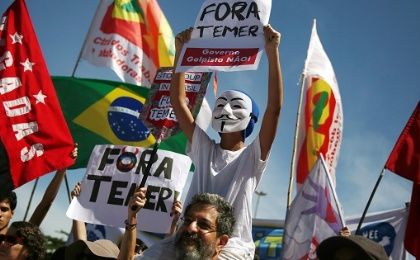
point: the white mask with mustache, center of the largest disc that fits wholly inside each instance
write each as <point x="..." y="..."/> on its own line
<point x="231" y="112"/>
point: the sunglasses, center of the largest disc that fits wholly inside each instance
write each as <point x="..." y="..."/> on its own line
<point x="11" y="240"/>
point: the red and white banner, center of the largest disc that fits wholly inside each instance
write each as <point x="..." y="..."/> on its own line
<point x="158" y="113"/>
<point x="227" y="36"/>
<point x="32" y="129"/>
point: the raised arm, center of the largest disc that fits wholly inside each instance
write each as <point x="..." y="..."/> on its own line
<point x="175" y="214"/>
<point x="275" y="91"/>
<point x="44" y="205"/>
<point x="178" y="96"/>
<point x="128" y="243"/>
<point x="79" y="227"/>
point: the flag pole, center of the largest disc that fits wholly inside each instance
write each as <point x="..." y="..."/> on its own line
<point x="149" y="166"/>
<point x="340" y="211"/>
<point x="66" y="181"/>
<point x="30" y="199"/>
<point x="370" y="200"/>
<point x="84" y="42"/>
<point x="150" y="163"/>
<point x="293" y="162"/>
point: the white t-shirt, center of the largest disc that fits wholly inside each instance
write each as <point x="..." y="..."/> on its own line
<point x="231" y="174"/>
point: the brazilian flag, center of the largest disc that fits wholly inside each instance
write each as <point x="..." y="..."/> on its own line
<point x="107" y="112"/>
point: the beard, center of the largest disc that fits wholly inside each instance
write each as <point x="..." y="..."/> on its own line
<point x="192" y="247"/>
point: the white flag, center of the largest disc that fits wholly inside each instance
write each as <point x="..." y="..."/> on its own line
<point x="320" y="123"/>
<point x="314" y="215"/>
<point x="386" y="228"/>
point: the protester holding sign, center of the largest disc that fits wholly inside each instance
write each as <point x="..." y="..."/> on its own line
<point x="230" y="168"/>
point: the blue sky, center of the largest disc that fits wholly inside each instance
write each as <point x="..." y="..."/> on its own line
<point x="373" y="46"/>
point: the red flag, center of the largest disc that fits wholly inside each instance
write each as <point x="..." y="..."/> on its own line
<point x="33" y="130"/>
<point x="412" y="233"/>
<point x="404" y="159"/>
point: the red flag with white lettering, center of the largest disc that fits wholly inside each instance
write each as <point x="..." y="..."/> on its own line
<point x="32" y="130"/>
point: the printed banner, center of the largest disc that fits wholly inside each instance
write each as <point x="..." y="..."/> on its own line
<point x="386" y="228"/>
<point x="133" y="38"/>
<point x="32" y="130"/>
<point x="227" y="36"/>
<point x="158" y="114"/>
<point x="112" y="175"/>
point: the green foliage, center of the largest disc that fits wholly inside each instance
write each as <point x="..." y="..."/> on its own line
<point x="52" y="243"/>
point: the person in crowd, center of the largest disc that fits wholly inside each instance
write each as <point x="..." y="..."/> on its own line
<point x="128" y="243"/>
<point x="23" y="240"/>
<point x="175" y="214"/>
<point x="206" y="227"/>
<point x="350" y="247"/>
<point x="230" y="168"/>
<point x="8" y="203"/>
<point x="78" y="227"/>
<point x="81" y="248"/>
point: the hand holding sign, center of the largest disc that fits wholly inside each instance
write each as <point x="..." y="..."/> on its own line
<point x="227" y="36"/>
<point x="272" y="39"/>
<point x="180" y="39"/>
<point x="137" y="202"/>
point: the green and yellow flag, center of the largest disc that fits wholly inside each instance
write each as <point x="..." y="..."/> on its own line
<point x="107" y="112"/>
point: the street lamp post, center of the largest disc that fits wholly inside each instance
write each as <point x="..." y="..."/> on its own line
<point x="259" y="194"/>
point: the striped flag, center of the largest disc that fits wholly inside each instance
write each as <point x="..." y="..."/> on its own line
<point x="132" y="37"/>
<point x="320" y="121"/>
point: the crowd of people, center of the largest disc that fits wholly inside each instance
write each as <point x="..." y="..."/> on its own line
<point x="217" y="220"/>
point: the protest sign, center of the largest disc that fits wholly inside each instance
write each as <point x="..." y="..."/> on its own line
<point x="227" y="36"/>
<point x="158" y="114"/>
<point x="111" y="178"/>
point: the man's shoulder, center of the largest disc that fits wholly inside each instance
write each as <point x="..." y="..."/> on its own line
<point x="160" y="250"/>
